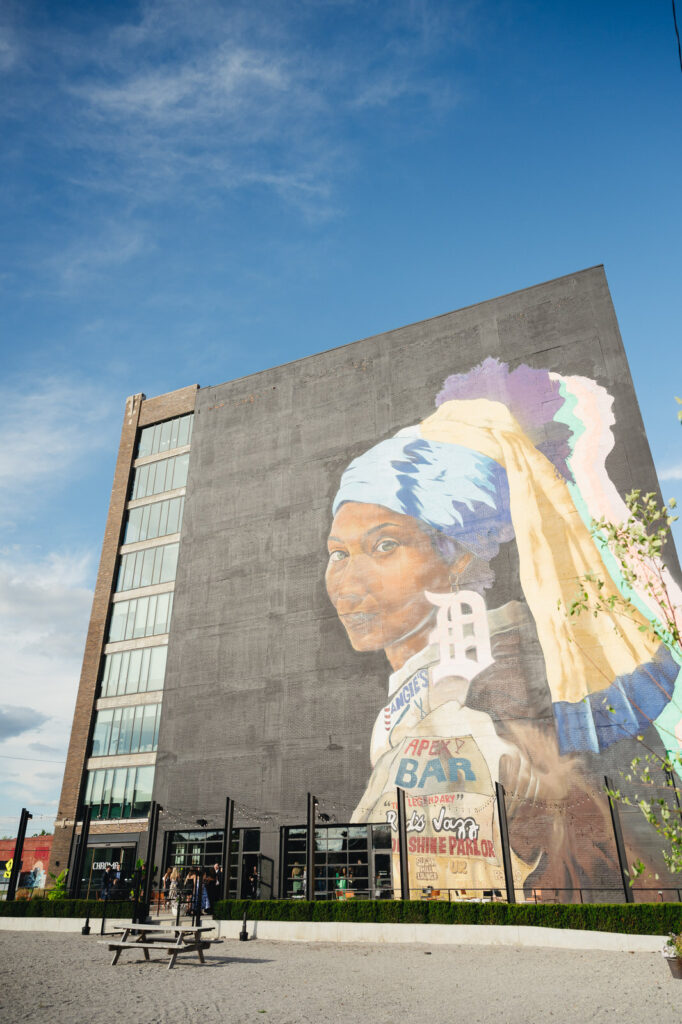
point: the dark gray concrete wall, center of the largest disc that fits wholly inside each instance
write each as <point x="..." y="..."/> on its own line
<point x="264" y="697"/>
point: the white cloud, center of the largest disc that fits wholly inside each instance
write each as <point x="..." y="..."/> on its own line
<point x="44" y="610"/>
<point x="193" y="101"/>
<point x="45" y="433"/>
<point x="671" y="472"/>
<point x="226" y="83"/>
<point x="83" y="259"/>
<point x="9" y="49"/>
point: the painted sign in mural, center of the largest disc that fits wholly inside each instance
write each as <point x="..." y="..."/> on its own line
<point x="455" y="548"/>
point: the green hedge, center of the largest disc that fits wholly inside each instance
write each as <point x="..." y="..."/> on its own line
<point x="66" y="908"/>
<point x="632" y="919"/>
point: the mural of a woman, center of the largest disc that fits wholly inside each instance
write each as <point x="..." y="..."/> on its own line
<point x="480" y="693"/>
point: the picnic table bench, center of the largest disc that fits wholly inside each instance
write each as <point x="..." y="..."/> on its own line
<point x="174" y="939"/>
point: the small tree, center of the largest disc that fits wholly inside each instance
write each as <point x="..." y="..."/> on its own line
<point x="638" y="545"/>
<point x="58" y="890"/>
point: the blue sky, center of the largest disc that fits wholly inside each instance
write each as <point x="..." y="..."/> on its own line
<point x="194" y="192"/>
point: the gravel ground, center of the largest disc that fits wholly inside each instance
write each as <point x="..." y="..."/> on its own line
<point x="66" y="979"/>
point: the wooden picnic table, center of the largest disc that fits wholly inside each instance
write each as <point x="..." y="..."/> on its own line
<point x="176" y="939"/>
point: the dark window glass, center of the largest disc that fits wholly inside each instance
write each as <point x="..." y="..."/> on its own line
<point x="118" y="793"/>
<point x="143" y="792"/>
<point x="251" y="839"/>
<point x="381" y="837"/>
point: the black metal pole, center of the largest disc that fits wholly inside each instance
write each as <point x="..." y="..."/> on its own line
<point x="402" y="847"/>
<point x="18" y="851"/>
<point x="310" y="848"/>
<point x="504" y="840"/>
<point x="224" y="893"/>
<point x="69" y="866"/>
<point x="71" y="878"/>
<point x="104" y="913"/>
<point x="74" y="881"/>
<point x="149" y="852"/>
<point x="153" y="825"/>
<point x="283" y="881"/>
<point x="196" y="920"/>
<point x="87" y="819"/>
<point x="79" y="859"/>
<point x="136" y="896"/>
<point x="620" y="845"/>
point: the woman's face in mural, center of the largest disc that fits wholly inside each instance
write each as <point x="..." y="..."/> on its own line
<point x="380" y="564"/>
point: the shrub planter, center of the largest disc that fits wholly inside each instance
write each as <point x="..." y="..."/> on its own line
<point x="69" y="908"/>
<point x="628" y="919"/>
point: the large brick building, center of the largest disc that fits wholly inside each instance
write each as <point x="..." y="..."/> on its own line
<point x="342" y="575"/>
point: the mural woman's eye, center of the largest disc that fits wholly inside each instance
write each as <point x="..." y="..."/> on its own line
<point x="386" y="545"/>
<point x="336" y="556"/>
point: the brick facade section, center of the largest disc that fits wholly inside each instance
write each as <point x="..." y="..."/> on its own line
<point x="138" y="412"/>
<point x="165" y="407"/>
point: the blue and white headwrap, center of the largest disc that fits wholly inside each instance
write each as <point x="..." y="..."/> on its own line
<point x="457" y="491"/>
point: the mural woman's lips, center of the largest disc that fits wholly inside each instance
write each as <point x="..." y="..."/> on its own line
<point x="359" y="620"/>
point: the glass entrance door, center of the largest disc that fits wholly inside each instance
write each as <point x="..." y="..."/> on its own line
<point x="250" y="871"/>
<point x="122" y="860"/>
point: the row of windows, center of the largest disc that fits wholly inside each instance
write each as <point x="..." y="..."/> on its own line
<point x="134" y="671"/>
<point x="155" y="520"/>
<point x="126" y="730"/>
<point x="144" y="568"/>
<point x="120" y="792"/>
<point x="343" y="838"/>
<point x="143" y="616"/>
<point x="164" y="475"/>
<point x="163" y="437"/>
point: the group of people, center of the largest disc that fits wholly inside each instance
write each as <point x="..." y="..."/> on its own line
<point x="175" y="886"/>
<point x="346" y="881"/>
<point x="343" y="880"/>
<point x="208" y="881"/>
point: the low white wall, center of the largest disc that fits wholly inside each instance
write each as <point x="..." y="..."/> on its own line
<point x="58" y="924"/>
<point x="443" y="934"/>
<point x="349" y="931"/>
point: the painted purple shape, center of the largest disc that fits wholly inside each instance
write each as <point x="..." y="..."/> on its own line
<point x="531" y="395"/>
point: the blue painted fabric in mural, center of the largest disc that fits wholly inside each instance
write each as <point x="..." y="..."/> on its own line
<point x="637" y="699"/>
<point x="459" y="492"/>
